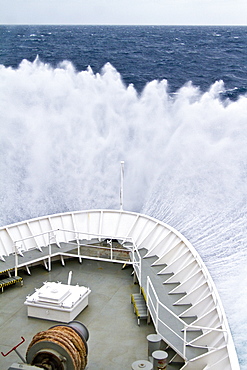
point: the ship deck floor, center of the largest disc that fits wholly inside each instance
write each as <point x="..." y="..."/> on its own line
<point x="115" y="339"/>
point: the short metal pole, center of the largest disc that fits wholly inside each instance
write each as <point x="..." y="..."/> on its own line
<point x="148" y="286"/>
<point x="184" y="349"/>
<point x="16" y="260"/>
<point x="78" y="247"/>
<point x="140" y="271"/>
<point x="111" y="249"/>
<point x="157" y="313"/>
<point x="49" y="258"/>
<point x="21" y="357"/>
<point x="121" y="186"/>
<point x="69" y="278"/>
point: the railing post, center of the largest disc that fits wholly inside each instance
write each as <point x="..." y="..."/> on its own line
<point x="78" y="246"/>
<point x="49" y="257"/>
<point x="157" y="315"/>
<point x="16" y="259"/>
<point x="140" y="269"/>
<point x="121" y="185"/>
<point x="111" y="249"/>
<point x="184" y="344"/>
<point x="148" y="287"/>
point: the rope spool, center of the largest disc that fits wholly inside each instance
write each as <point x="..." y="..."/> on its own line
<point x="60" y="347"/>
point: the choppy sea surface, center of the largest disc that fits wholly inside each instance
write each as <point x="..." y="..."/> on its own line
<point x="169" y="101"/>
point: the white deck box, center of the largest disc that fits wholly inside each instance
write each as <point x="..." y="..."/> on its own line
<point x="57" y="302"/>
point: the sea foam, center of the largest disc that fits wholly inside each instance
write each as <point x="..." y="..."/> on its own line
<point x="64" y="133"/>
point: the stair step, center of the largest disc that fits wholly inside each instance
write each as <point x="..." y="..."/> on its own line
<point x="179" y="309"/>
<point x="142" y="252"/>
<point x="172" y="299"/>
<point x="158" y="268"/>
<point x="187" y="305"/>
<point x="151" y="259"/>
<point x="192" y="352"/>
<point x="177" y="296"/>
<point x="192" y="334"/>
<point x="188" y="319"/>
<point x="166" y="276"/>
<point x="171" y="285"/>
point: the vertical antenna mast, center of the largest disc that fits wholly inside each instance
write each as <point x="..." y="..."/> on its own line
<point x="121" y="186"/>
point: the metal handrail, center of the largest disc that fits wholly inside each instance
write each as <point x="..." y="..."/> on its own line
<point x="125" y="238"/>
<point x="52" y="234"/>
<point x="156" y="311"/>
<point x="185" y="326"/>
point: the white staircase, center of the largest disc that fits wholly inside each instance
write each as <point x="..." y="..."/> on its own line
<point x="173" y="305"/>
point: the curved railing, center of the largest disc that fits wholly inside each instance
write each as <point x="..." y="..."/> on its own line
<point x="155" y="307"/>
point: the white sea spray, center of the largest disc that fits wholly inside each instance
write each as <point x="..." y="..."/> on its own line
<point x="64" y="133"/>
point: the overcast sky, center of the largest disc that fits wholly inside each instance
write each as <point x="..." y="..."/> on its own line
<point x="152" y="12"/>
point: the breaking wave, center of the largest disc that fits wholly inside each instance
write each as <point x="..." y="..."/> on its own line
<point x="64" y="133"/>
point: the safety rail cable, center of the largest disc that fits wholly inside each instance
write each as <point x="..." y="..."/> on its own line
<point x="157" y="319"/>
<point x="52" y="234"/>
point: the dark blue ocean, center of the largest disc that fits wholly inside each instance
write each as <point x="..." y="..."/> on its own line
<point x="140" y="54"/>
<point x="169" y="101"/>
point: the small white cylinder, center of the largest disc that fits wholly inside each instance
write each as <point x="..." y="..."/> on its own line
<point x="159" y="360"/>
<point x="154" y="342"/>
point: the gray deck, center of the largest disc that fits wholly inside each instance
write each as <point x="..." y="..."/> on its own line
<point x="109" y="303"/>
<point x="115" y="339"/>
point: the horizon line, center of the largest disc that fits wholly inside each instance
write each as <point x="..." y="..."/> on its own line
<point x="124" y="25"/>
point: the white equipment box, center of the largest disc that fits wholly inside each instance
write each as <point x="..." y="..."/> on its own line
<point x="57" y="302"/>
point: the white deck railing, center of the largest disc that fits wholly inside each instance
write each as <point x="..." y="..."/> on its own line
<point x="51" y="238"/>
<point x="177" y="339"/>
<point x="158" y="238"/>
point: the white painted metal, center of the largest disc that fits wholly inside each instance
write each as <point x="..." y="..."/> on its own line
<point x="174" y="254"/>
<point x="69" y="278"/>
<point x="121" y="186"/>
<point x="57" y="302"/>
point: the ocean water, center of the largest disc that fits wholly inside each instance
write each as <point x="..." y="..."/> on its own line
<point x="169" y="101"/>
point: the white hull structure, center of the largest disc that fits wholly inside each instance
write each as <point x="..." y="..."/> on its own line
<point x="181" y="297"/>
